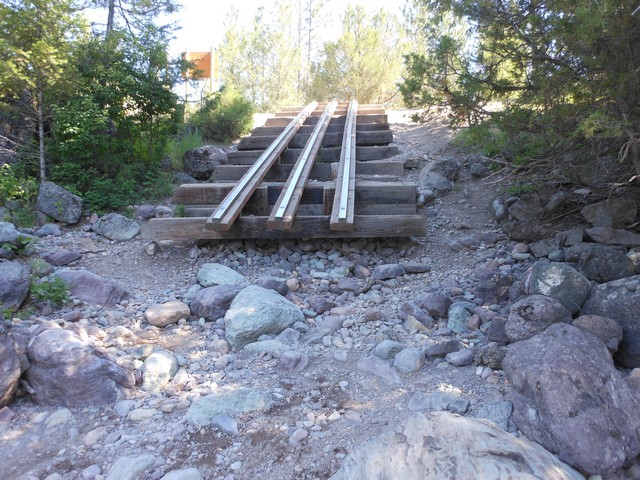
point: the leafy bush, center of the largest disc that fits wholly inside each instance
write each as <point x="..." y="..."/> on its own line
<point x="180" y="145"/>
<point x="16" y="187"/>
<point x="52" y="290"/>
<point x="225" y="116"/>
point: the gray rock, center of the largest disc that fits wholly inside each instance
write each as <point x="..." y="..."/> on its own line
<point x="412" y="309"/>
<point x="293" y="360"/>
<point x="59" y="203"/>
<point x="499" y="208"/>
<point x="388" y="349"/>
<point x="461" y="358"/>
<point x="14" y="284"/>
<point x="447" y="167"/>
<point x="145" y="212"/>
<point x="409" y="360"/>
<point x="614" y="212"/>
<point x="459" y="315"/>
<point x="434" y="182"/>
<point x="498" y="413"/>
<point x="600" y="263"/>
<point x="348" y="284"/>
<point x="451" y="401"/>
<point x="213" y="302"/>
<point x="8" y="233"/>
<point x="441" y="348"/>
<point x="116" y="227"/>
<point x="66" y="370"/>
<point x="544" y="247"/>
<point x="496" y="331"/>
<point x="444" y="446"/>
<point x="570" y="399"/>
<point x="606" y="329"/>
<point x="211" y="274"/>
<point x="167" y="313"/>
<point x="277" y="284"/>
<point x="478" y="170"/>
<point x="274" y="348"/>
<point x="48" y="229"/>
<point x="532" y="314"/>
<point x="620" y="300"/>
<point x="436" y="304"/>
<point x="183" y="178"/>
<point x="379" y="368"/>
<point x="257" y="311"/>
<point x="225" y="424"/>
<point x="200" y="162"/>
<point x="162" y="211"/>
<point x="613" y="236"/>
<point x="385" y="272"/>
<point x="10" y="369"/>
<point x="559" y="281"/>
<point x="227" y="402"/>
<point x="60" y="258"/>
<point x="495" y="289"/>
<point x="414" y="267"/>
<point x="491" y="356"/>
<point x="183" y="474"/>
<point x="321" y="304"/>
<point x="130" y="468"/>
<point x="92" y="288"/>
<point x="157" y="370"/>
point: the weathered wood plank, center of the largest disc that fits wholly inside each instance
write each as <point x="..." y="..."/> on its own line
<point x="307" y="129"/>
<point x="365" y="226"/>
<point x="374" y="118"/>
<point x="233" y="203"/>
<point x="365" y="192"/>
<point x="342" y="211"/>
<point x="306" y="209"/>
<point x="382" y="137"/>
<point x="331" y="154"/>
<point x="286" y="206"/>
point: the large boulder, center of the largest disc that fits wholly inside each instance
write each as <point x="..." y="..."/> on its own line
<point x="212" y="303"/>
<point x="532" y="314"/>
<point x="200" y="162"/>
<point x="606" y="329"/>
<point x="614" y="212"/>
<point x="257" y="311"/>
<point x="600" y="263"/>
<point x="66" y="370"/>
<point x="560" y="281"/>
<point x="568" y="397"/>
<point x="14" y="284"/>
<point x="613" y="236"/>
<point x="59" y="203"/>
<point x="620" y="300"/>
<point x="116" y="227"/>
<point x="435" y="183"/>
<point x="8" y="233"/>
<point x="446" y="446"/>
<point x="92" y="288"/>
<point x="10" y="369"/>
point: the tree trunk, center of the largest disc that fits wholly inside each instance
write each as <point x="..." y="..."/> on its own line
<point x="112" y="8"/>
<point x="40" y="109"/>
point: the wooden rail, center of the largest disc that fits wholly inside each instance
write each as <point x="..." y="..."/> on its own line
<point x="285" y="208"/>
<point x="230" y="208"/>
<point x="342" y="212"/>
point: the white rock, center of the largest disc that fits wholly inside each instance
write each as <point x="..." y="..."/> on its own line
<point x="130" y="468"/>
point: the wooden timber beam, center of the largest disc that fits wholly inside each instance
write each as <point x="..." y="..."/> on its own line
<point x="330" y="154"/>
<point x="365" y="226"/>
<point x="342" y="212"/>
<point x="307" y="129"/>
<point x="373" y="118"/>
<point x="285" y="208"/>
<point x="231" y="206"/>
<point x="363" y="138"/>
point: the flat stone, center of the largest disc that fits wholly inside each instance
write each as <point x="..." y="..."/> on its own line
<point x="228" y="402"/>
<point x="167" y="313"/>
<point x="211" y="274"/>
<point x="451" y="401"/>
<point x="385" y="272"/>
<point x="409" y="360"/>
<point x="130" y="468"/>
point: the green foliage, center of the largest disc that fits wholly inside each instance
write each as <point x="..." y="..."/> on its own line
<point x="552" y="75"/>
<point x="180" y="145"/>
<point x="16" y="187"/>
<point x="365" y="63"/>
<point x="53" y="290"/>
<point x="521" y="188"/>
<point x="224" y="116"/>
<point x="180" y="211"/>
<point x="22" y="247"/>
<point x="39" y="267"/>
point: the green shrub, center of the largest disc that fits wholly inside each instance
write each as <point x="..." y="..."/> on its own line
<point x="22" y="247"/>
<point x="180" y="145"/>
<point x="225" y="116"/>
<point x="16" y="187"/>
<point x="52" y="290"/>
